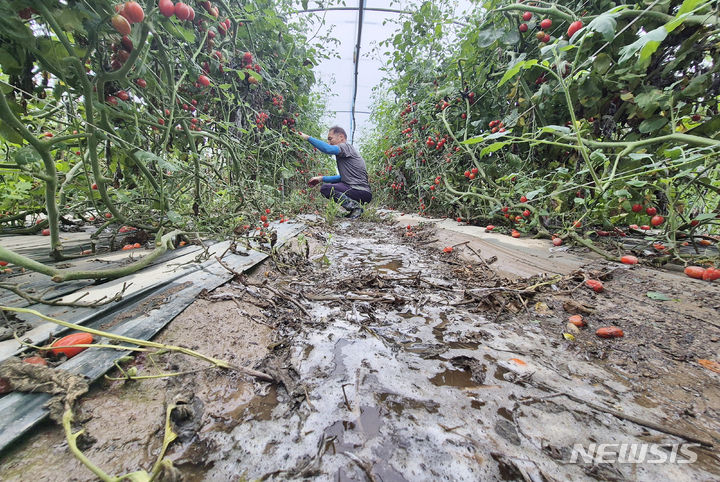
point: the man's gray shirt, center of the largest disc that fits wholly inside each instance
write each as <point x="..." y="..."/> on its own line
<point x="351" y="167"/>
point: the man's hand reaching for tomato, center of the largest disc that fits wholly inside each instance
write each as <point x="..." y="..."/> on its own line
<point x="314" y="181"/>
<point x="303" y="135"/>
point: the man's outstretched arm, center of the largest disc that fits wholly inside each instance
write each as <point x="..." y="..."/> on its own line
<point x="323" y="147"/>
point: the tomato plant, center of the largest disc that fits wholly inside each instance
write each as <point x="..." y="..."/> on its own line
<point x="613" y="107"/>
<point x="149" y="116"/>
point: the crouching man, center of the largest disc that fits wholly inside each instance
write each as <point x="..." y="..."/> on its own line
<point x="350" y="187"/>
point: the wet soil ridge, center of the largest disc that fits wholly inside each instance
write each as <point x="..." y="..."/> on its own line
<point x="397" y="361"/>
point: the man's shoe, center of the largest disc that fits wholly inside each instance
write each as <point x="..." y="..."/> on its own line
<point x="355" y="213"/>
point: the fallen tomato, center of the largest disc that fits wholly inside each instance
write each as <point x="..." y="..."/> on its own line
<point x="577" y="320"/>
<point x="35" y="360"/>
<point x="66" y="345"/>
<point x="557" y="241"/>
<point x="629" y="259"/>
<point x="447" y="249"/>
<point x="696" y="272"/>
<point x="609" y="332"/>
<point x="711" y="274"/>
<point x="596" y="285"/>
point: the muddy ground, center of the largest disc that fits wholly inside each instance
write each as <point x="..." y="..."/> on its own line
<point x="396" y="361"/>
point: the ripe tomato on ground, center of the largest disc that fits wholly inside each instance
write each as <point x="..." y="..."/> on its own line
<point x="70" y="340"/>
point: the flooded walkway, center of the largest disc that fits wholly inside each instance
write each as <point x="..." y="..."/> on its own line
<point x="415" y="364"/>
<point x="416" y="385"/>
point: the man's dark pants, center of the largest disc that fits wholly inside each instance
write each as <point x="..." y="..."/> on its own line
<point x="347" y="196"/>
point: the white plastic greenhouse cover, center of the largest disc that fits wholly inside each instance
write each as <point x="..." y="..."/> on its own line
<point x="338" y="73"/>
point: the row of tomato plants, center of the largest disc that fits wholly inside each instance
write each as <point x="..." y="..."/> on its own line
<point x="552" y="120"/>
<point x="152" y="115"/>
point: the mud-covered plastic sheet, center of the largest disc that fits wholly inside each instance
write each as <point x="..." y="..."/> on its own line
<point x="140" y="315"/>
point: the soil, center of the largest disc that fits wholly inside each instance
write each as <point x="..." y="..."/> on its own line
<point x="397" y="361"/>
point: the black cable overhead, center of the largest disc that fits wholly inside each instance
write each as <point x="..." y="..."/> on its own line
<point x="356" y="61"/>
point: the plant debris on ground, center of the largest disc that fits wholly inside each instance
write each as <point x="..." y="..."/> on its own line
<point x="394" y="360"/>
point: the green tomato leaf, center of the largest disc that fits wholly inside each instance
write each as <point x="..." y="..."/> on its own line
<point x="286" y="173"/>
<point x="495" y="146"/>
<point x="554" y="128"/>
<point x="605" y="25"/>
<point x="9" y="134"/>
<point x="705" y="216"/>
<point x="602" y="64"/>
<point x="651" y="125"/>
<point x="510" y="37"/>
<point x="487" y="37"/>
<point x="174" y="217"/>
<point x="656" y="295"/>
<point x="26" y="155"/>
<point x="685" y="10"/>
<point x="646" y="45"/>
<point x="473" y="140"/>
<point x="533" y="194"/>
<point x="513" y="71"/>
<point x="622" y="193"/>
<point x="598" y="156"/>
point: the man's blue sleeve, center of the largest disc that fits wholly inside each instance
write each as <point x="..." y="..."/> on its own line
<point x="331" y="178"/>
<point x="324" y="146"/>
